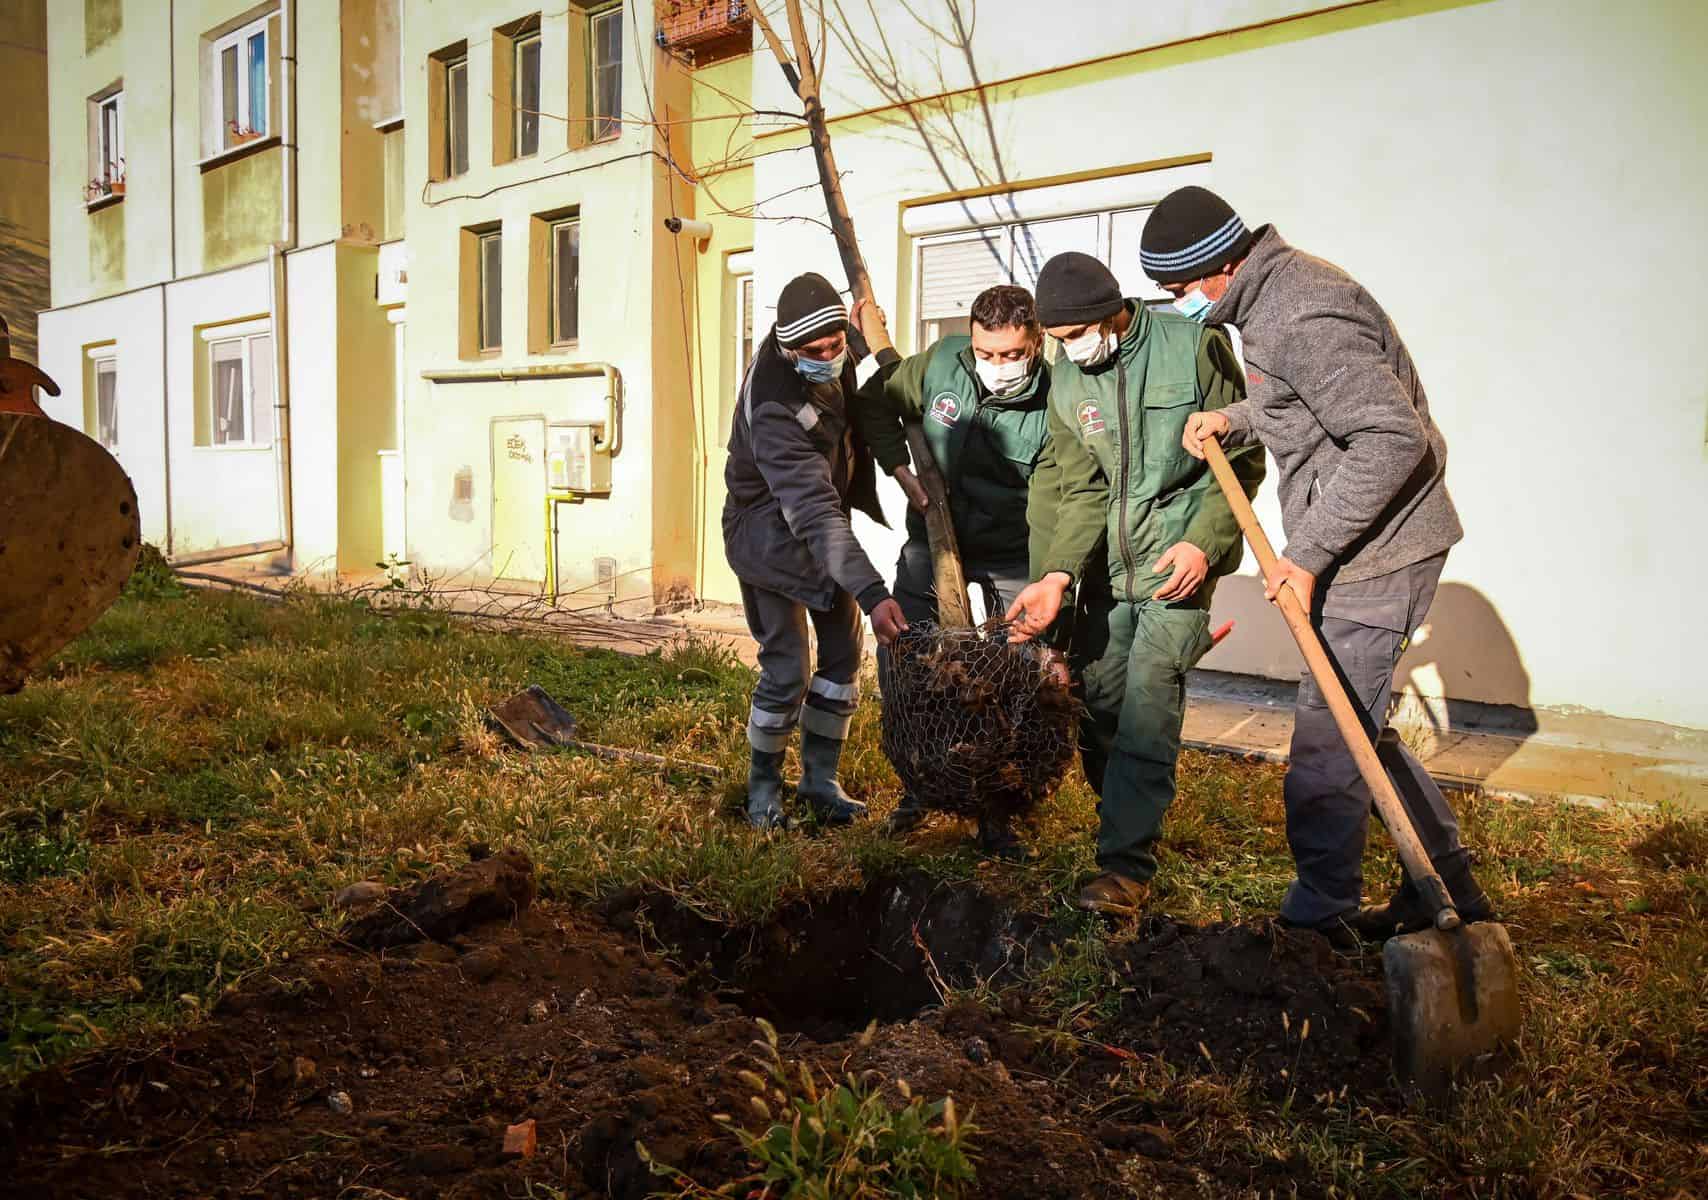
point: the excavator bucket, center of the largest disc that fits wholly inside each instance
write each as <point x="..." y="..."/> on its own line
<point x="69" y="537"/>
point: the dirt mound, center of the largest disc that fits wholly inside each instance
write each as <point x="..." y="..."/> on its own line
<point x="400" y="1071"/>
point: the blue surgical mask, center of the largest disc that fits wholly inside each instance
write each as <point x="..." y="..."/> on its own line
<point x="1194" y="305"/>
<point x="814" y="371"/>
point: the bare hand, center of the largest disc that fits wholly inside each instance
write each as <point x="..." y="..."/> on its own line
<point x="1288" y="572"/>
<point x="1201" y="425"/>
<point x="915" y="490"/>
<point x="1036" y="608"/>
<point x="887" y="622"/>
<point x="1190" y="567"/>
<point x="869" y="319"/>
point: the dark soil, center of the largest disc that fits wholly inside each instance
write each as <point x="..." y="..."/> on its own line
<point x="631" y="1023"/>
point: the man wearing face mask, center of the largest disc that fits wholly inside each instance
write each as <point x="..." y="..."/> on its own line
<point x="1119" y="400"/>
<point x="1336" y="398"/>
<point x="797" y="468"/>
<point x="981" y="401"/>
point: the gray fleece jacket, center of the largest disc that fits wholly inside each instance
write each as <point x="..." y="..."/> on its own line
<point x="1334" y="396"/>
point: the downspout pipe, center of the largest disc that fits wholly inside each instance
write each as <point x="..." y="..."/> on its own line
<point x="276" y="265"/>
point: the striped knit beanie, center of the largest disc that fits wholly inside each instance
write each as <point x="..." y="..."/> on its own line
<point x="808" y="309"/>
<point x="1190" y="234"/>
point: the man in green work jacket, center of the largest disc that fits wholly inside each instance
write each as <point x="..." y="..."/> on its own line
<point x="1119" y="400"/>
<point x="981" y="401"/>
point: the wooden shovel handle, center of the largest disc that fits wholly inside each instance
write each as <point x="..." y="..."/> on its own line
<point x="953" y="609"/>
<point x="1346" y="718"/>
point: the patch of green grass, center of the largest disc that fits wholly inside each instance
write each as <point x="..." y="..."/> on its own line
<point x="188" y="783"/>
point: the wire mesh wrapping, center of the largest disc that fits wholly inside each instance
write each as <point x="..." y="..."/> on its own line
<point x="975" y="726"/>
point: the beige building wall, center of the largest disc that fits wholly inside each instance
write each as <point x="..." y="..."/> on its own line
<point x="23" y="170"/>
<point x="464" y="519"/>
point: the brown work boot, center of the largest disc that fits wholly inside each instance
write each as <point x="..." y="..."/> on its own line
<point x="1114" y="895"/>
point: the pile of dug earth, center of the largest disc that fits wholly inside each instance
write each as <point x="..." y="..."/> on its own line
<point x="464" y="1040"/>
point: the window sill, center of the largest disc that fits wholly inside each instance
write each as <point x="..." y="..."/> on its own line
<point x="387" y="124"/>
<point x="243" y="150"/>
<point x="236" y="448"/>
<point x="107" y="201"/>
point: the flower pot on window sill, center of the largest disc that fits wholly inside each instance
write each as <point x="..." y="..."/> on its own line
<point x="117" y="188"/>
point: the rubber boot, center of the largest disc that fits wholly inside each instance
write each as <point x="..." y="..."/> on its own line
<point x="765" y="790"/>
<point x="820" y="789"/>
<point x="1407" y="912"/>
<point x="909" y="815"/>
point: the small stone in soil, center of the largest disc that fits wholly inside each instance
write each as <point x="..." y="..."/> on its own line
<point x="520" y="1139"/>
<point x="357" y="894"/>
<point x="302" y="1070"/>
<point x="339" y="1102"/>
<point x="537" y="1011"/>
<point x="483" y="963"/>
<point x="977" y="1051"/>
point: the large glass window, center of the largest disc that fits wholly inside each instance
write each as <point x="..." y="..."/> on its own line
<point x="240" y="84"/>
<point x="240" y="385"/>
<point x="607" y="70"/>
<point x="526" y="98"/>
<point x="566" y="282"/>
<point x="490" y="324"/>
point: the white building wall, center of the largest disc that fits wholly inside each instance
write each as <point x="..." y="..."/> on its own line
<point x="1519" y="183"/>
<point x="131" y="323"/>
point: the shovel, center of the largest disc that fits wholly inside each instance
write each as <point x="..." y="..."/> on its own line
<point x="1452" y="990"/>
<point x="534" y="721"/>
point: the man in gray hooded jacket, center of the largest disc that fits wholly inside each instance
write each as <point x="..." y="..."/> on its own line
<point x="797" y="468"/>
<point x="1334" y="396"/>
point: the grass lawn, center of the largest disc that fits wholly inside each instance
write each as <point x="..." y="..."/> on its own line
<point x="185" y="786"/>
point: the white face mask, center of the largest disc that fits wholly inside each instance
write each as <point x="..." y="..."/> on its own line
<point x="1005" y="379"/>
<point x="1092" y="348"/>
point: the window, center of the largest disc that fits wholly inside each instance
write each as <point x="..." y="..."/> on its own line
<point x="566" y="282"/>
<point x="457" y="115"/>
<point x="106" y="144"/>
<point x="239" y="408"/>
<point x="490" y="323"/>
<point x="955" y="267"/>
<point x="606" y="66"/>
<point x="743" y="325"/>
<point x="240" y="84"/>
<point x="101" y="397"/>
<point x="525" y="93"/>
<point x="740" y="333"/>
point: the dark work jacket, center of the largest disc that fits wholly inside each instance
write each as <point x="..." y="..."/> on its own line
<point x="797" y="468"/>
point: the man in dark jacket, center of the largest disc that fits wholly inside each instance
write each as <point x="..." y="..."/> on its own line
<point x="797" y="468"/>
<point x="1335" y="397"/>
<point x="1119" y="399"/>
<point x="980" y="401"/>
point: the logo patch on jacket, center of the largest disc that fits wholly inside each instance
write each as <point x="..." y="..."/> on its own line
<point x="1090" y="418"/>
<point x="1252" y="377"/>
<point x="945" y="408"/>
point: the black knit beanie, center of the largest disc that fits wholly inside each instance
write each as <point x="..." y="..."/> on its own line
<point x="808" y="309"/>
<point x="1191" y="234"/>
<point x="1076" y="289"/>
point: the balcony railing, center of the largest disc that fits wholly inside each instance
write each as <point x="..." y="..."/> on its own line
<point x="705" y="29"/>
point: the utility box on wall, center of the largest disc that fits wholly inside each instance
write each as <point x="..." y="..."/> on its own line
<point x="574" y="463"/>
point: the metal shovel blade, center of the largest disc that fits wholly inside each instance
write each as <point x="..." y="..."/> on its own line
<point x="533" y="719"/>
<point x="1453" y="1003"/>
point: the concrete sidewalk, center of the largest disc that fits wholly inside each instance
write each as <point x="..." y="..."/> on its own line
<point x="1578" y="757"/>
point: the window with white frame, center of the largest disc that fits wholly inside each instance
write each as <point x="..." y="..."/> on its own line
<point x="741" y="338"/>
<point x="526" y="89"/>
<point x="240" y="84"/>
<point x="101" y="409"/>
<point x="606" y="66"/>
<point x="566" y="282"/>
<point x="490" y="292"/>
<point x="953" y="268"/>
<point x="743" y="325"/>
<point x="106" y="143"/>
<point x="239" y="408"/>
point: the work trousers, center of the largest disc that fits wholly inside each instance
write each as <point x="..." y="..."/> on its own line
<point x="789" y="692"/>
<point x="1139" y="686"/>
<point x="1366" y="627"/>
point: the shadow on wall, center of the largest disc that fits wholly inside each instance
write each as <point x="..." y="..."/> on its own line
<point x="1463" y="672"/>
